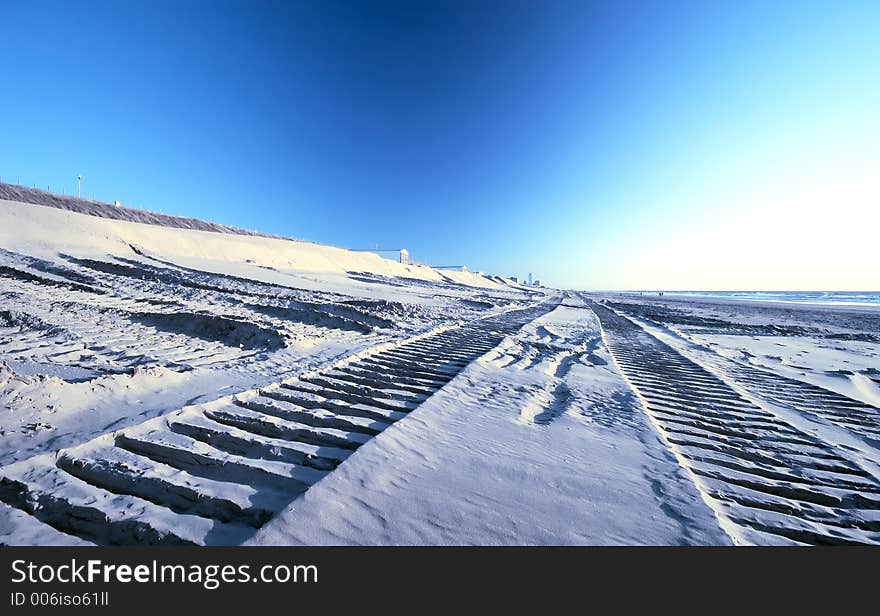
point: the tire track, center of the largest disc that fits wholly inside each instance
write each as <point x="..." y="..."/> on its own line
<point x="212" y="475"/>
<point x="767" y="481"/>
<point x="807" y="398"/>
<point x="856" y="416"/>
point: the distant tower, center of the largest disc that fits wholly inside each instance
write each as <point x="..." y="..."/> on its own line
<point x="530" y="278"/>
<point x="78" y="182"/>
<point x="404" y="256"/>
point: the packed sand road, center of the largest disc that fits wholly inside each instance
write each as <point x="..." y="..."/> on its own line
<point x="769" y="481"/>
<point x="540" y="441"/>
<point x="212" y="474"/>
<point x="218" y="473"/>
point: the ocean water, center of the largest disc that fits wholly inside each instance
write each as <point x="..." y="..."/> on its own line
<point x="801" y="297"/>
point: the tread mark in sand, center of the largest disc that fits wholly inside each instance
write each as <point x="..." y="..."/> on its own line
<point x="770" y="481"/>
<point x="211" y="477"/>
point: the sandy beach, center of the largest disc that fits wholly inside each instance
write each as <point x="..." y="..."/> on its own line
<point x="164" y="385"/>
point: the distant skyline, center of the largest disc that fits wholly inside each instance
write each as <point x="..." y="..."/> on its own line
<point x="597" y="145"/>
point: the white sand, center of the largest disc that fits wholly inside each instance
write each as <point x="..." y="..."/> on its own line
<point x="185" y="386"/>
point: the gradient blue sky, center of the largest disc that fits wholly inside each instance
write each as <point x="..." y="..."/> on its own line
<point x="596" y="144"/>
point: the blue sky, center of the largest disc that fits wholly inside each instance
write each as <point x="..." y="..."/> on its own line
<point x="596" y="144"/>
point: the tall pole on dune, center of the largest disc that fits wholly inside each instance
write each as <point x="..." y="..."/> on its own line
<point x="78" y="180"/>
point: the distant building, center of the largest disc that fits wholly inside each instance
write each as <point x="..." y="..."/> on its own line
<point x="537" y="283"/>
<point x="530" y="278"/>
<point x="117" y="204"/>
<point x="402" y="254"/>
<point x="514" y="279"/>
